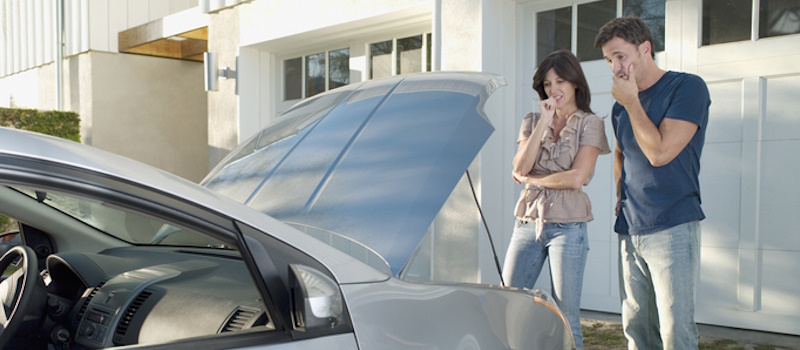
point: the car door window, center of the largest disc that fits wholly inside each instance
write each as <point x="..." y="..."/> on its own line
<point x="173" y="282"/>
<point x="128" y="225"/>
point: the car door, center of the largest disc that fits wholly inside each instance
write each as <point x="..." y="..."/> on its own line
<point x="29" y="183"/>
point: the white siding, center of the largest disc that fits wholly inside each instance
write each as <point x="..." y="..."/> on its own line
<point x="27" y="27"/>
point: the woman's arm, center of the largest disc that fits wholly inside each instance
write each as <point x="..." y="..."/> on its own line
<point x="514" y="174"/>
<point x="575" y="177"/>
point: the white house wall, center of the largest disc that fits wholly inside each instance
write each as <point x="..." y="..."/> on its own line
<point x="500" y="53"/>
<point x="28" y="33"/>
<point x="750" y="243"/>
<point x="131" y="105"/>
<point x="224" y="117"/>
<point x="295" y="24"/>
<point x="153" y="111"/>
<point x="26" y="37"/>
<point x="270" y="30"/>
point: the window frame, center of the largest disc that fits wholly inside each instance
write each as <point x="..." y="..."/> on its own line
<point x="575" y="30"/>
<point x="358" y="47"/>
<point x="754" y="18"/>
<point x="303" y="63"/>
<point x="755" y="26"/>
<point x="425" y="51"/>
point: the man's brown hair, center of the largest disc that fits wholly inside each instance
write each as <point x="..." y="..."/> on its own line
<point x="630" y="28"/>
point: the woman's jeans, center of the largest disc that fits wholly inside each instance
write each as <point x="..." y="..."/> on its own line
<point x="658" y="274"/>
<point x="567" y="246"/>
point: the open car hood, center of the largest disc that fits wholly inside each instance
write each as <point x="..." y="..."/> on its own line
<point x="373" y="161"/>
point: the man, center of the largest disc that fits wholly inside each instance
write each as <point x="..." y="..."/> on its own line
<point x="659" y="121"/>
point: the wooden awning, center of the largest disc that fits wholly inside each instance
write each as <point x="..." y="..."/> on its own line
<point x="182" y="35"/>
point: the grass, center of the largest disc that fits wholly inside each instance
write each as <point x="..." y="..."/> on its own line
<point x="608" y="336"/>
<point x="720" y="344"/>
<point x="599" y="335"/>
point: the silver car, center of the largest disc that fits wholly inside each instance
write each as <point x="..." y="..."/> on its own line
<point x="307" y="236"/>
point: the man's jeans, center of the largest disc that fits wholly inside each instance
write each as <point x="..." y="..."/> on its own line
<point x="658" y="274"/>
<point x="567" y="246"/>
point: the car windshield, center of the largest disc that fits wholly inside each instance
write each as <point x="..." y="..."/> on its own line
<point x="123" y="223"/>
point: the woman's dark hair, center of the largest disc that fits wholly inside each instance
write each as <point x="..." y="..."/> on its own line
<point x="567" y="67"/>
<point x="630" y="28"/>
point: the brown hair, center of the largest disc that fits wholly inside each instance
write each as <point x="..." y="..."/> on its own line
<point x="566" y="66"/>
<point x="630" y="28"/>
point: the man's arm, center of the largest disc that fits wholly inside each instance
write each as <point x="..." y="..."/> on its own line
<point x="618" y="178"/>
<point x="659" y="144"/>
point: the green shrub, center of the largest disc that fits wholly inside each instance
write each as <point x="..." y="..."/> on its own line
<point x="6" y="224"/>
<point x="56" y="123"/>
<point x="62" y="124"/>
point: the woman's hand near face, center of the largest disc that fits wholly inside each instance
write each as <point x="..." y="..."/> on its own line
<point x="547" y="107"/>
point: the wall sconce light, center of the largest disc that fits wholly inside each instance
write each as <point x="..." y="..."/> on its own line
<point x="212" y="74"/>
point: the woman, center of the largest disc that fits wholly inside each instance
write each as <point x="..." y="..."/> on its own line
<point x="554" y="159"/>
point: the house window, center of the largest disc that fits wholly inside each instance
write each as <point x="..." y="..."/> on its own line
<point x="732" y="20"/>
<point x="380" y="59"/>
<point x="338" y="68"/>
<point x="428" y="51"/>
<point x="726" y="21"/>
<point x="320" y="71"/>
<point x="293" y="78"/>
<point x="652" y="12"/>
<point x="778" y="17"/>
<point x="315" y="74"/>
<point x="409" y="55"/>
<point x="553" y="32"/>
<point x="555" y="29"/>
<point x="309" y="75"/>
<point x="400" y="56"/>
<point x="591" y="17"/>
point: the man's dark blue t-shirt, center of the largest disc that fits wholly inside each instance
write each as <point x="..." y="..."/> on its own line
<point x="657" y="198"/>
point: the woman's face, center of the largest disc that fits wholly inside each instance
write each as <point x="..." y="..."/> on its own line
<point x="560" y="90"/>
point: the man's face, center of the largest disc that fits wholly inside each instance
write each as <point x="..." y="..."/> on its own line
<point x="620" y="54"/>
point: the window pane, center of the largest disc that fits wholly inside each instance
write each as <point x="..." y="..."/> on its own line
<point x="652" y="13"/>
<point x="726" y="20"/>
<point x="380" y="59"/>
<point x="315" y="74"/>
<point x="292" y="78"/>
<point x="591" y="17"/>
<point x="409" y="55"/>
<point x="339" y="69"/>
<point x="428" y="58"/>
<point x="778" y="17"/>
<point x="553" y="32"/>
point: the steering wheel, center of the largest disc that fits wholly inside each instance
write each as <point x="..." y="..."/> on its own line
<point x="16" y="290"/>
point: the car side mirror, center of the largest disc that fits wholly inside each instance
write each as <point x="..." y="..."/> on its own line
<point x="316" y="299"/>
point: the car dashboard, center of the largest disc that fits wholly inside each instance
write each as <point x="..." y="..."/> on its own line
<point x="144" y="295"/>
